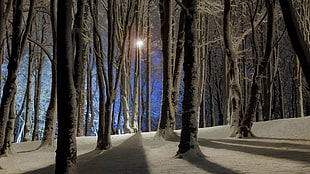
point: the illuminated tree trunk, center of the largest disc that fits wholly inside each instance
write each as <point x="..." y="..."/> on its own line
<point x="298" y="87"/>
<point x="233" y="70"/>
<point x="148" y="71"/>
<point x="125" y="74"/>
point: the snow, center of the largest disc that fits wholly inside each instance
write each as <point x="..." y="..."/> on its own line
<point x="282" y="146"/>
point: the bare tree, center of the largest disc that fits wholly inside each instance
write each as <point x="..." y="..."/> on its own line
<point x="234" y="82"/>
<point x="167" y="118"/>
<point x="300" y="46"/>
<point x="247" y="121"/>
<point x="80" y="63"/>
<point x="50" y="118"/>
<point x="66" y="152"/>
<point x="189" y="141"/>
<point x="19" y="39"/>
<point x="28" y="94"/>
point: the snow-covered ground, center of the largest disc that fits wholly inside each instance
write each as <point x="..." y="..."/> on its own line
<point x="283" y="146"/>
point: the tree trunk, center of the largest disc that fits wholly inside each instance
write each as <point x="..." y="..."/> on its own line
<point x="28" y="95"/>
<point x="298" y="87"/>
<point x="178" y="62"/>
<point x="125" y="78"/>
<point x="100" y="77"/>
<point x="79" y="64"/>
<point x="19" y="38"/>
<point x="90" y="115"/>
<point x="66" y="153"/>
<point x="9" y="138"/>
<point x="234" y="82"/>
<point x="50" y="118"/>
<point x="281" y="96"/>
<point x="148" y="70"/>
<point x="167" y="118"/>
<point x="37" y="95"/>
<point x="297" y="39"/>
<point x="5" y="7"/>
<point x="136" y="106"/>
<point x="189" y="141"/>
<point x="247" y="121"/>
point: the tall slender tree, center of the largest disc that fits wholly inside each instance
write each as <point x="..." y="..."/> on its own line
<point x="19" y="38"/>
<point x="167" y="118"/>
<point x="189" y="140"/>
<point x="80" y="63"/>
<point x="50" y="118"/>
<point x="234" y="82"/>
<point x="66" y="152"/>
<point x="247" y="120"/>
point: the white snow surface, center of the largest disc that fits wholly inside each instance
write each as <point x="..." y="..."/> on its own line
<point x="281" y="146"/>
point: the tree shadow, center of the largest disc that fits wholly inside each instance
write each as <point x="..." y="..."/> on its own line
<point x="128" y="157"/>
<point x="255" y="142"/>
<point x="202" y="162"/>
<point x="265" y="149"/>
<point x="288" y="139"/>
<point x="208" y="166"/>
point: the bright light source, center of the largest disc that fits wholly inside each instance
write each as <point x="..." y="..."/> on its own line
<point x="139" y="43"/>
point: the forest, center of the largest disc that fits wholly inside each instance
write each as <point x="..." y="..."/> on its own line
<point x="105" y="67"/>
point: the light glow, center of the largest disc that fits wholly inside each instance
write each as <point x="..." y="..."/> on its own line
<point x="139" y="43"/>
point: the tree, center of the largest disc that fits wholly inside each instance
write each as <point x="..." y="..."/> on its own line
<point x="148" y="69"/>
<point x="19" y="38"/>
<point x="5" y="7"/>
<point x="189" y="141"/>
<point x="247" y="120"/>
<point x="50" y="118"/>
<point x="80" y="63"/>
<point x="167" y="118"/>
<point x="66" y="152"/>
<point x="28" y="94"/>
<point x="233" y="73"/>
<point x="297" y="39"/>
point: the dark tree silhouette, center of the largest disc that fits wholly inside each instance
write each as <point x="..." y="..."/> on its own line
<point x="189" y="140"/>
<point x="297" y="39"/>
<point x="66" y="103"/>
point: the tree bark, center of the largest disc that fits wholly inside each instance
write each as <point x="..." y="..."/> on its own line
<point x="189" y="141"/>
<point x="66" y="153"/>
<point x="247" y="121"/>
<point x="5" y="7"/>
<point x="79" y="64"/>
<point x="18" y="44"/>
<point x="27" y="126"/>
<point x="50" y="118"/>
<point x="298" y="87"/>
<point x="296" y="37"/>
<point x="37" y="95"/>
<point x="148" y="70"/>
<point x="167" y="118"/>
<point x="233" y="73"/>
